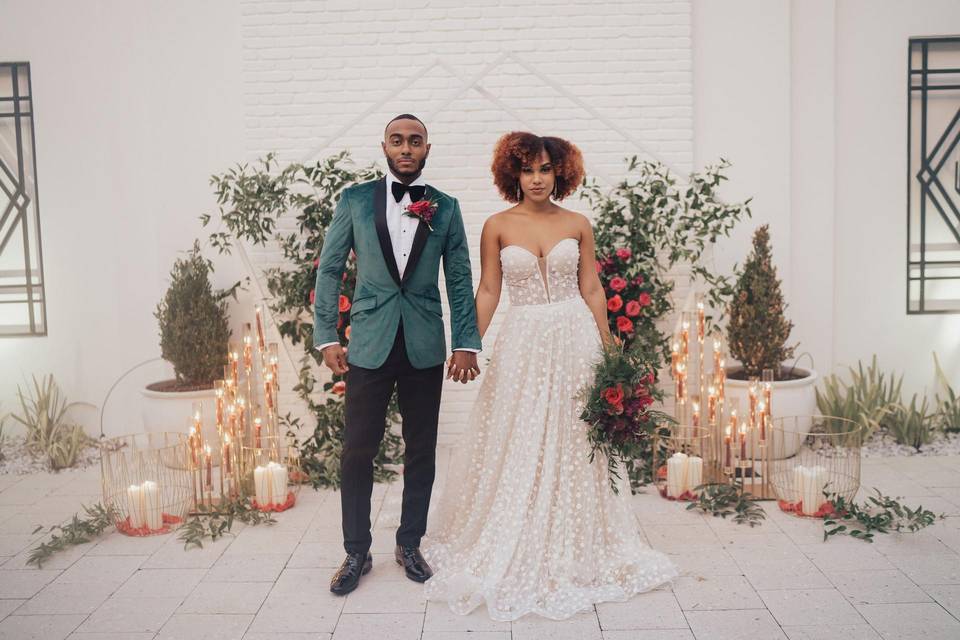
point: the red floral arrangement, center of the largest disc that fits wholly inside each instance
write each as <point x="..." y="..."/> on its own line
<point x="422" y="209"/>
<point x="618" y="406"/>
<point x="628" y="292"/>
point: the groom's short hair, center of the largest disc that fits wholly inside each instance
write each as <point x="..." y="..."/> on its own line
<point x="405" y="116"/>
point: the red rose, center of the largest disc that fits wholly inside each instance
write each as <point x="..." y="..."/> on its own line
<point x="346" y="332"/>
<point x="316" y="263"/>
<point x="640" y="390"/>
<point x="618" y="284"/>
<point x="633" y="308"/>
<point x="344" y="277"/>
<point x="644" y="299"/>
<point x="646" y="401"/>
<point x="313" y="295"/>
<point x="344" y="304"/>
<point x="623" y="253"/>
<point x="638" y="280"/>
<point x="339" y="387"/>
<point x="650" y="378"/>
<point x="613" y="395"/>
<point x="615" y="303"/>
<point x="624" y="324"/>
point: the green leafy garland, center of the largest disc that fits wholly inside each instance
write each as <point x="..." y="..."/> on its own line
<point x="216" y="521"/>
<point x="880" y="514"/>
<point x="77" y="531"/>
<point x="252" y="201"/>
<point x="721" y="499"/>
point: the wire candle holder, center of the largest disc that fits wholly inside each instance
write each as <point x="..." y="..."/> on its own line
<point x="826" y="462"/>
<point x="146" y="480"/>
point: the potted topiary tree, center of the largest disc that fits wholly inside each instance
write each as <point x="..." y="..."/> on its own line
<point x="757" y="334"/>
<point x="194" y="339"/>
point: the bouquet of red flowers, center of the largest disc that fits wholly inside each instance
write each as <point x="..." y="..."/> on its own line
<point x="618" y="407"/>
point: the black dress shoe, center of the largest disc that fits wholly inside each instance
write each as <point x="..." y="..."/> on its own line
<point x="413" y="563"/>
<point x="348" y="575"/>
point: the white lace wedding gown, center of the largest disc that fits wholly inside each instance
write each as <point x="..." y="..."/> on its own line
<point x="527" y="524"/>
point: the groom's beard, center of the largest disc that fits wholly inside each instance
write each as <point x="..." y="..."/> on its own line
<point x="410" y="174"/>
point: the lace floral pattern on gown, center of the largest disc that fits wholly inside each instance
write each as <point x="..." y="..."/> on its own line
<point x="527" y="524"/>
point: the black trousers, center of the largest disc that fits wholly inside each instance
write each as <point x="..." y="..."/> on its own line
<point x="367" y="396"/>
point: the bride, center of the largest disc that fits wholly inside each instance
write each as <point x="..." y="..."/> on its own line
<point x="527" y="523"/>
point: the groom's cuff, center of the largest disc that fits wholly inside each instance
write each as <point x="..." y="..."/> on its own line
<point x="325" y="345"/>
<point x="467" y="349"/>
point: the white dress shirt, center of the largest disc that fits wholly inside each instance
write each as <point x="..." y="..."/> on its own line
<point x="402" y="230"/>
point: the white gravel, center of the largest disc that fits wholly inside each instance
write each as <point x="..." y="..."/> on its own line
<point x="18" y="461"/>
<point x="883" y="446"/>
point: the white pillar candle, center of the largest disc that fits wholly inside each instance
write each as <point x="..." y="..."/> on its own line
<point x="694" y="473"/>
<point x="676" y="472"/>
<point x="135" y="506"/>
<point x="259" y="484"/>
<point x="152" y="511"/>
<point x="278" y="477"/>
<point x="815" y="482"/>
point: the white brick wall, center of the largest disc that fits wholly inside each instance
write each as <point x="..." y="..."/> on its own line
<point x="613" y="77"/>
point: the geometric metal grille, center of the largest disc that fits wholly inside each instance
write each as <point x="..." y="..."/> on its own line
<point x="933" y="175"/>
<point x="22" y="300"/>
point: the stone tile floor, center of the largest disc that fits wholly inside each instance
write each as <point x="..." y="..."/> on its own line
<point x="779" y="580"/>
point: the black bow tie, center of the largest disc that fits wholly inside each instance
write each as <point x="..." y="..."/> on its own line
<point x="416" y="191"/>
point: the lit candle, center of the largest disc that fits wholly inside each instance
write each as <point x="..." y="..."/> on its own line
<point x="241" y="416"/>
<point x="717" y="355"/>
<point x="726" y="442"/>
<point x="767" y="398"/>
<point x="721" y="378"/>
<point x="232" y="419"/>
<point x="228" y="464"/>
<point x="274" y="362"/>
<point x="247" y="350"/>
<point x="674" y="359"/>
<point x="685" y="338"/>
<point x="763" y="420"/>
<point x="209" y="460"/>
<point x="260" y="341"/>
<point x="219" y="394"/>
<point x="696" y="413"/>
<point x="701" y="323"/>
<point x="753" y="404"/>
<point x="235" y="368"/>
<point x="712" y="406"/>
<point x="268" y="390"/>
<point x="681" y="382"/>
<point x="257" y="424"/>
<point x="194" y="446"/>
<point x="743" y="440"/>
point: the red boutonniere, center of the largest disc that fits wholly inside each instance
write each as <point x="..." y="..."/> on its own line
<point x="423" y="209"/>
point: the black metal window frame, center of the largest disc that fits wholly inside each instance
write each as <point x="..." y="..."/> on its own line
<point x="931" y="162"/>
<point x="21" y="110"/>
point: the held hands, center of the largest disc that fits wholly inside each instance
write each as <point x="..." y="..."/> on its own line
<point x="335" y="357"/>
<point x="462" y="366"/>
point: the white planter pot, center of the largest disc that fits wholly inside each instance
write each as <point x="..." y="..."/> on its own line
<point x="173" y="411"/>
<point x="788" y="397"/>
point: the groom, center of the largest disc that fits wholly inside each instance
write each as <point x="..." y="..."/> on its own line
<point x="396" y="336"/>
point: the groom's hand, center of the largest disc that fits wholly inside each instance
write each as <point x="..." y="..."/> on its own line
<point x="335" y="357"/>
<point x="463" y="367"/>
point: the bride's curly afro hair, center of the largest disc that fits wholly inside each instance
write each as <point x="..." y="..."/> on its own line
<point x="519" y="148"/>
